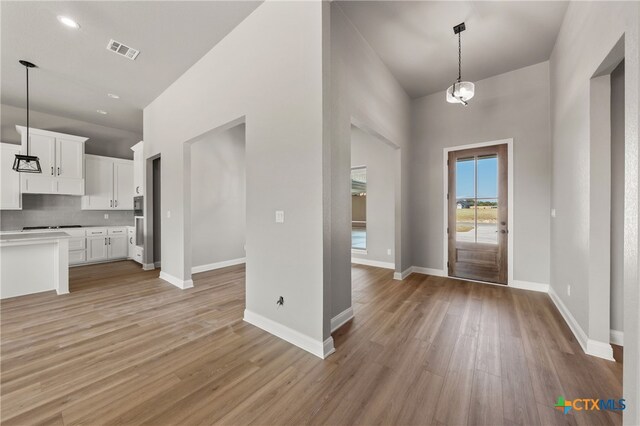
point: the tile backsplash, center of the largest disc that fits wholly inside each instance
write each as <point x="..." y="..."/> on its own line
<point x="51" y="210"/>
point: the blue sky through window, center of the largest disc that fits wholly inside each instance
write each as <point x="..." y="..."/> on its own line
<point x="487" y="178"/>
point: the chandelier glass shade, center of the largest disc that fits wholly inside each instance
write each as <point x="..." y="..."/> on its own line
<point x="460" y="92"/>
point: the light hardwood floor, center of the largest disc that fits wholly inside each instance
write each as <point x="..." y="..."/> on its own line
<point x="125" y="347"/>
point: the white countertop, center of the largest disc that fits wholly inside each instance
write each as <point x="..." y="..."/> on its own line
<point x="32" y="236"/>
<point x="31" y="231"/>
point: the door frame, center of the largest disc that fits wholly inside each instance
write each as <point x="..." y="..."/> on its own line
<point x="510" y="227"/>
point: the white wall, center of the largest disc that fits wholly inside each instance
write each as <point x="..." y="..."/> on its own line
<point x="588" y="33"/>
<point x="364" y="93"/>
<point x="617" y="198"/>
<point x="511" y="105"/>
<point x="218" y="219"/>
<point x="269" y="70"/>
<point x="378" y="157"/>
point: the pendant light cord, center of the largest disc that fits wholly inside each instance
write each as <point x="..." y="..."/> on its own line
<point x="27" y="68"/>
<point x="459" y="57"/>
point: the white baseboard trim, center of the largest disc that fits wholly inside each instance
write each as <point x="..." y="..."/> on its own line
<point x="589" y="346"/>
<point x="600" y="349"/>
<point x="316" y="347"/>
<point x="376" y="263"/>
<point x="404" y="274"/>
<point x="428" y="271"/>
<point x="148" y="266"/>
<point x="616" y="337"/>
<point x="182" y="284"/>
<point x="341" y="319"/>
<point x="157" y="264"/>
<point x="217" y="265"/>
<point x="530" y="285"/>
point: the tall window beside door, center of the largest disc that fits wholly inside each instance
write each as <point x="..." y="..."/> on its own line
<point x="359" y="208"/>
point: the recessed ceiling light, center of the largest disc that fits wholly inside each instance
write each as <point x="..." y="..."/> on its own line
<point x="113" y="95"/>
<point x="68" y="22"/>
<point x="101" y="111"/>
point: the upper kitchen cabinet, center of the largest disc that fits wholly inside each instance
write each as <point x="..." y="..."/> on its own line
<point x="10" y="196"/>
<point x="109" y="184"/>
<point x="61" y="159"/>
<point x="138" y="169"/>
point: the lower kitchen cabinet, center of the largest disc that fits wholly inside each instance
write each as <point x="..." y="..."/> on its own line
<point x="117" y="246"/>
<point x="97" y="249"/>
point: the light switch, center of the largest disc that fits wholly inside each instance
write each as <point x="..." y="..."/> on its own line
<point x="553" y="212"/>
<point x="279" y="216"/>
<point x="168" y="214"/>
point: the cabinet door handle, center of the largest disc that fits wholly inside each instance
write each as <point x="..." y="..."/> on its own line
<point x="116" y="203"/>
<point x="105" y="241"/>
<point x="109" y="240"/>
<point x="58" y="171"/>
<point x="137" y="189"/>
<point x="110" y="203"/>
<point x="130" y="240"/>
<point x="51" y="170"/>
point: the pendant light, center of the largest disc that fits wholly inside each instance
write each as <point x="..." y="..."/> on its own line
<point x="461" y="91"/>
<point x="27" y="163"/>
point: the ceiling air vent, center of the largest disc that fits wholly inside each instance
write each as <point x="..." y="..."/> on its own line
<point x="121" y="49"/>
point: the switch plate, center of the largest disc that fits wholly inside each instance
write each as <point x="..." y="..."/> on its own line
<point x="389" y="252"/>
<point x="279" y="216"/>
<point x="168" y="214"/>
<point x="553" y="212"/>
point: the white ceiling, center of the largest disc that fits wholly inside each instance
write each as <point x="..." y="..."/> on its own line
<point x="415" y="39"/>
<point x="75" y="70"/>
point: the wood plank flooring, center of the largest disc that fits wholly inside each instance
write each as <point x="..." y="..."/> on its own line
<point x="127" y="348"/>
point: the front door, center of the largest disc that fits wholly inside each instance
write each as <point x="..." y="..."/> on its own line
<point x="477" y="231"/>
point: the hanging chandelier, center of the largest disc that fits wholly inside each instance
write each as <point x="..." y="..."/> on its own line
<point x="461" y="91"/>
<point x="27" y="163"/>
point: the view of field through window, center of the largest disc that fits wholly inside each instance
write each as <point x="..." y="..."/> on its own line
<point x="477" y="199"/>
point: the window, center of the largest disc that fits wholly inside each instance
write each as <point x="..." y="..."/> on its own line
<point x="359" y="208"/>
<point x="477" y="199"/>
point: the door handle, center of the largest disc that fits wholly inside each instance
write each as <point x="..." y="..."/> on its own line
<point x="503" y="223"/>
<point x="502" y="231"/>
<point x="130" y="240"/>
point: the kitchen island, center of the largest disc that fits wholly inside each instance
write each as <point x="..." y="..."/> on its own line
<point x="33" y="262"/>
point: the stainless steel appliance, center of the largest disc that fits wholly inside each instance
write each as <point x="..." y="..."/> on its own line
<point x="138" y="206"/>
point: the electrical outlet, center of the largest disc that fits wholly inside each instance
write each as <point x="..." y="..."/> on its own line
<point x="389" y="252"/>
<point x="279" y="216"/>
<point x="106" y="215"/>
<point x="569" y="290"/>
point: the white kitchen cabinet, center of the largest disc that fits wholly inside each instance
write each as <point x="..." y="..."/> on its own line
<point x="117" y="246"/>
<point x="138" y="168"/>
<point x="10" y="195"/>
<point x="43" y="147"/>
<point x="108" y="183"/>
<point x="97" y="248"/>
<point x="69" y="158"/>
<point x="61" y="159"/>
<point x="123" y="190"/>
<point x="98" y="183"/>
<point x="131" y="243"/>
